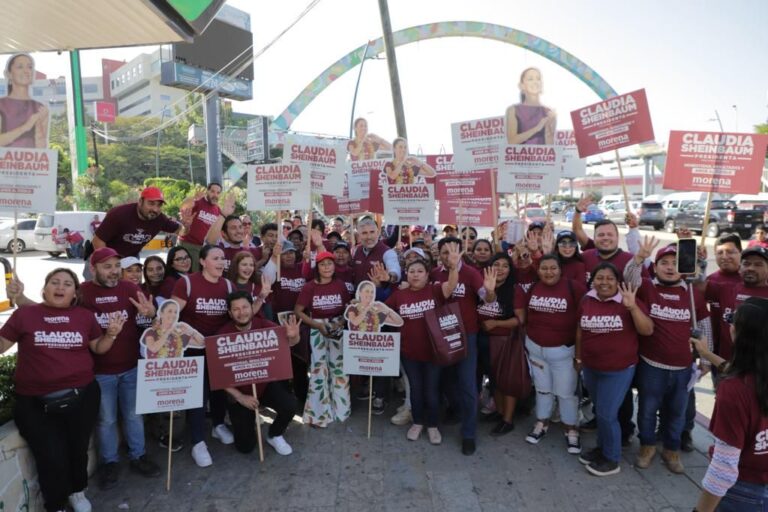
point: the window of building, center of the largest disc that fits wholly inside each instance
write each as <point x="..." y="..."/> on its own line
<point x="38" y="91"/>
<point x="90" y="88"/>
<point x="134" y="103"/>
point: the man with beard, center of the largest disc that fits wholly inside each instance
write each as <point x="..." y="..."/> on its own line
<point x="227" y="233"/>
<point x="204" y="212"/>
<point x="109" y="296"/>
<point x="129" y="227"/>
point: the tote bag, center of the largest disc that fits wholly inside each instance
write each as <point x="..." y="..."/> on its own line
<point x="446" y="332"/>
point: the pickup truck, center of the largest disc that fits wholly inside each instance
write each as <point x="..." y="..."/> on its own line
<point x="723" y="217"/>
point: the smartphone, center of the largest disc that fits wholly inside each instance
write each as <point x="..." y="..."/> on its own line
<point x="686" y="256"/>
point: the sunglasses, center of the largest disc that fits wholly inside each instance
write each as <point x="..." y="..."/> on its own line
<point x="566" y="243"/>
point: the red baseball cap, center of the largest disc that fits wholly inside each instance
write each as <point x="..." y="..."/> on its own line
<point x="152" y="194"/>
<point x="102" y="254"/>
<point x="666" y="251"/>
<point x="325" y="255"/>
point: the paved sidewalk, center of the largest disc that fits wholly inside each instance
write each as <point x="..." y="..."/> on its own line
<point x="338" y="469"/>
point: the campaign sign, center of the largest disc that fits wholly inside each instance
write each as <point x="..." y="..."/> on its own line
<point x="169" y="384"/>
<point x="372" y="353"/>
<point x="248" y="357"/>
<point x="529" y="168"/>
<point x="729" y="163"/>
<point x="28" y="179"/>
<point x="409" y="204"/>
<point x="440" y="163"/>
<point x="344" y="205"/>
<point x="476" y="143"/>
<point x="572" y="166"/>
<point x="358" y="176"/>
<point x="276" y="187"/>
<point x="465" y="198"/>
<point x="325" y="159"/>
<point x="612" y="124"/>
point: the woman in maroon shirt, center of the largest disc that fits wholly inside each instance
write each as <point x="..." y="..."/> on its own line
<point x="55" y="339"/>
<point x="606" y="349"/>
<point x="321" y="305"/>
<point x="242" y="273"/>
<point x="178" y="262"/>
<point x="415" y="349"/>
<point x="482" y="252"/>
<point x="156" y="283"/>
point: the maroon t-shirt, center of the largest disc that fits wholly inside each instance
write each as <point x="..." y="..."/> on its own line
<point x="230" y="252"/>
<point x="730" y="297"/>
<point x="670" y="309"/>
<point x="716" y="312"/>
<point x="465" y="293"/>
<point x="108" y="302"/>
<point x="619" y="260"/>
<point x="53" y="347"/>
<point x="287" y="288"/>
<point x="493" y="311"/>
<point x="737" y="420"/>
<point x="206" y="307"/>
<point x="324" y="300"/>
<point x="551" y="317"/>
<point x="164" y="289"/>
<point x="609" y="341"/>
<point x="206" y="214"/>
<point x="575" y="270"/>
<point x="411" y="306"/>
<point x="125" y="232"/>
<point x="256" y="323"/>
<point x="525" y="277"/>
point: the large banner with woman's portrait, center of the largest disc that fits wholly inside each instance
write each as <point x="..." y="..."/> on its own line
<point x="27" y="167"/>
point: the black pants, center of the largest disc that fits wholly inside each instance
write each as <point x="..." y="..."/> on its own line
<point x="278" y="398"/>
<point x="59" y="443"/>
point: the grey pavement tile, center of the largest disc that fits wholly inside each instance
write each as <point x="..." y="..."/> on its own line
<point x="399" y="504"/>
<point x="453" y="491"/>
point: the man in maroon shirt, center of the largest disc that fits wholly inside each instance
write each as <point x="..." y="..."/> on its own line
<point x="204" y="212"/>
<point x="129" y="227"/>
<point x="227" y="232"/>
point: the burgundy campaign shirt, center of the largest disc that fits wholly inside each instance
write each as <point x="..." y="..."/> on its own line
<point x="551" y="317"/>
<point x="126" y="233"/>
<point x="411" y="306"/>
<point x="322" y="301"/>
<point x="465" y="293"/>
<point x="205" y="214"/>
<point x="206" y="307"/>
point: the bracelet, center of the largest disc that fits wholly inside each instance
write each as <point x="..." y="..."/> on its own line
<point x="576" y="209"/>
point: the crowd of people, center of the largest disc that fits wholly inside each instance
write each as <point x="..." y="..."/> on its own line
<point x="595" y="321"/>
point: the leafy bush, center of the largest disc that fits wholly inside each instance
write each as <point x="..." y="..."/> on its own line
<point x="7" y="397"/>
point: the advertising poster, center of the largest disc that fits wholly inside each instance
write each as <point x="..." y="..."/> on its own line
<point x="275" y="187"/>
<point x="409" y="204"/>
<point x="325" y="159"/>
<point x="728" y="163"/>
<point x="529" y="168"/>
<point x="612" y="124"/>
<point x="572" y="165"/>
<point x="333" y="205"/>
<point x="168" y="381"/>
<point x="28" y="179"/>
<point x="476" y="143"/>
<point x="440" y="163"/>
<point x="249" y="357"/>
<point x="358" y="176"/>
<point x="367" y="350"/>
<point x="465" y="198"/>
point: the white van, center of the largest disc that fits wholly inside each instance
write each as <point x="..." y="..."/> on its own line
<point x="608" y="200"/>
<point x="75" y="221"/>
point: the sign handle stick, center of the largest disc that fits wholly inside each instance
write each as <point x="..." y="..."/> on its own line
<point x="525" y="206"/>
<point x="370" y="404"/>
<point x="706" y="218"/>
<point x="170" y="445"/>
<point x="517" y="204"/>
<point x="279" y="230"/>
<point x="549" y="208"/>
<point x="15" y="236"/>
<point x="623" y="183"/>
<point x="258" y="425"/>
<point x="495" y="213"/>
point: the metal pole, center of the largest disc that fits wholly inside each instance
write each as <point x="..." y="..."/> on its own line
<point x="189" y="157"/>
<point x="95" y="149"/>
<point x="211" y="109"/>
<point x="157" y="149"/>
<point x="357" y="86"/>
<point x="394" y="78"/>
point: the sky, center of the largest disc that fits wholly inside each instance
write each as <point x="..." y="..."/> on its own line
<point x="693" y="58"/>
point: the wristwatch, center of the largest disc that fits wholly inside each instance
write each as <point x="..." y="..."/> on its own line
<point x="576" y="209"/>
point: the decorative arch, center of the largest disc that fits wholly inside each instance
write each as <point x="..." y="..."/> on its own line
<point x="445" y="29"/>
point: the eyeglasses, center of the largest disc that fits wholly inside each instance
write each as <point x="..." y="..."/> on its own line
<point x="566" y="243"/>
<point x="181" y="258"/>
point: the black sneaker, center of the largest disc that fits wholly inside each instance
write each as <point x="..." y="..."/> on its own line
<point x="145" y="467"/>
<point x="502" y="428"/>
<point x="603" y="467"/>
<point x="177" y="444"/>
<point x="108" y="475"/>
<point x="686" y="442"/>
<point x="591" y="456"/>
<point x="537" y="434"/>
<point x="468" y="446"/>
<point x="378" y="406"/>
<point x="589" y="426"/>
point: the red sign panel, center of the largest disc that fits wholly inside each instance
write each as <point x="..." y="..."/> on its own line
<point x="333" y="205"/>
<point x="105" y="111"/>
<point x="612" y="124"/>
<point x="465" y="198"/>
<point x="730" y="163"/>
<point x="249" y="357"/>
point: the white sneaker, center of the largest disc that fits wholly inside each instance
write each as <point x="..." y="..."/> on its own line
<point x="280" y="445"/>
<point x="223" y="434"/>
<point x="79" y="502"/>
<point x="403" y="417"/>
<point x="200" y="454"/>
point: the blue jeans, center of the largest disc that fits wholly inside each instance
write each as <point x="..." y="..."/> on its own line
<point x="119" y="390"/>
<point x="665" y="391"/>
<point x="424" y="380"/>
<point x="745" y="497"/>
<point x="466" y="388"/>
<point x="607" y="390"/>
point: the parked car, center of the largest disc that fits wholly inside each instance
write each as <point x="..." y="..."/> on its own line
<point x="535" y="214"/>
<point x="617" y="212"/>
<point x="25" y="238"/>
<point x="558" y="206"/>
<point x="593" y="214"/>
<point x="75" y="221"/>
<point x="723" y="217"/>
<point x="652" y="213"/>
